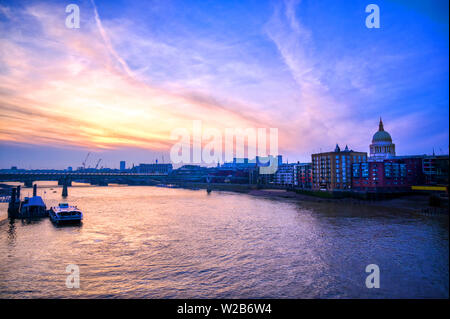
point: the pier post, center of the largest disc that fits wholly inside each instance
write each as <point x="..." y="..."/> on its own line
<point x="208" y="185"/>
<point x="13" y="206"/>
<point x="12" y="202"/>
<point x="13" y="196"/>
<point x="65" y="182"/>
<point x="64" y="190"/>
<point x="34" y="190"/>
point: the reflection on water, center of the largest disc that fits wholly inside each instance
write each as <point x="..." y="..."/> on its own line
<point x="148" y="242"/>
<point x="11" y="232"/>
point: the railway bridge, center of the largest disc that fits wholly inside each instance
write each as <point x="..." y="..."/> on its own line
<point x="94" y="178"/>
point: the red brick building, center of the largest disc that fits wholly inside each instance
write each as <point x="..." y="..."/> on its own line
<point x="390" y="175"/>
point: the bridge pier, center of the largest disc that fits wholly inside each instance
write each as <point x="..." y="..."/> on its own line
<point x="65" y="183"/>
<point x="64" y="191"/>
<point x="28" y="183"/>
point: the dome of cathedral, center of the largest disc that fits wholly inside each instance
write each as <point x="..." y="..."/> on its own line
<point x="381" y="135"/>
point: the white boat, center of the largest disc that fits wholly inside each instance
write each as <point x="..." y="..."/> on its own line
<point x="63" y="213"/>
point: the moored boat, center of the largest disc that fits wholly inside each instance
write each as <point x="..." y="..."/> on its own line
<point x="64" y="213"/>
<point x="32" y="207"/>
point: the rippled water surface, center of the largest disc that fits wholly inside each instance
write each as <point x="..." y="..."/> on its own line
<point x="149" y="242"/>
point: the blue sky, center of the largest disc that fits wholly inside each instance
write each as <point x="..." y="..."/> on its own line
<point x="310" y="68"/>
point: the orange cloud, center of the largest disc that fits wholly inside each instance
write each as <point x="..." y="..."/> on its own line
<point x="66" y="87"/>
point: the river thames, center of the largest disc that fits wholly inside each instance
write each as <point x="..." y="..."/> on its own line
<point x="150" y="242"/>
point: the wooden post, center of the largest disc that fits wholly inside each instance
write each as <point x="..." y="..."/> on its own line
<point x="13" y="196"/>
<point x="13" y="205"/>
<point x="64" y="190"/>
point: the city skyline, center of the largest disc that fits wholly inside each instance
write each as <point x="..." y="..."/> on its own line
<point x="159" y="158"/>
<point x="130" y="74"/>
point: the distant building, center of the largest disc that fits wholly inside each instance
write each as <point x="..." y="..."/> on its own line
<point x="245" y="170"/>
<point x="239" y="163"/>
<point x="333" y="170"/>
<point x="258" y="161"/>
<point x="153" y="168"/>
<point x="285" y="175"/>
<point x="297" y="175"/>
<point x="122" y="165"/>
<point x="436" y="169"/>
<point x="190" y="173"/>
<point x="230" y="175"/>
<point x="382" y="146"/>
<point x="303" y="175"/>
<point x="70" y="168"/>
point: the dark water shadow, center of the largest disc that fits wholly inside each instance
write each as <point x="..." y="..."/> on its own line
<point x="77" y="224"/>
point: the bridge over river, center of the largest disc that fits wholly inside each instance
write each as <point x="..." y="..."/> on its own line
<point x="94" y="178"/>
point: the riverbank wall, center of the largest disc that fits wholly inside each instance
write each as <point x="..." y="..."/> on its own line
<point x="308" y="192"/>
<point x="217" y="186"/>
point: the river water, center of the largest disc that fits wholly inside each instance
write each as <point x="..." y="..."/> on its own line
<point x="150" y="242"/>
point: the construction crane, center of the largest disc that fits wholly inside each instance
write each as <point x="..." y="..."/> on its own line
<point x="84" y="162"/>
<point x="99" y="160"/>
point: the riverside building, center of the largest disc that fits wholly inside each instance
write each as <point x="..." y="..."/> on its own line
<point x="333" y="170"/>
<point x="303" y="175"/>
<point x="285" y="175"/>
<point x="391" y="175"/>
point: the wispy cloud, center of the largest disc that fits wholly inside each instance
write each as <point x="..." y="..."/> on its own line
<point x="108" y="42"/>
<point x="318" y="115"/>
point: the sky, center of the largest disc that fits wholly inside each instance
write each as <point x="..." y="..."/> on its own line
<point x="136" y="70"/>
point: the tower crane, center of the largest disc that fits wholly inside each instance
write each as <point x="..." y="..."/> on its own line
<point x="99" y="160"/>
<point x="84" y="162"/>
